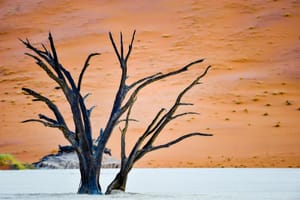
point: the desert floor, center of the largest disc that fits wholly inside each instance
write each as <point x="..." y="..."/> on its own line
<point x="249" y="100"/>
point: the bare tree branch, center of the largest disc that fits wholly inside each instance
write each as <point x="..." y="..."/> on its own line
<point x="124" y="120"/>
<point x="86" y="96"/>
<point x="168" y="144"/>
<point x="53" y="49"/>
<point x="48" y="124"/>
<point x="89" y="111"/>
<point x="47" y="101"/>
<point x="130" y="46"/>
<point x="86" y="64"/>
<point x="54" y="62"/>
<point x="121" y="46"/>
<point x="157" y="78"/>
<point x="44" y="117"/>
<point x="114" y="46"/>
<point x="116" y="112"/>
<point x="77" y="107"/>
<point x="186" y="104"/>
<point x="46" y="52"/>
<point x="123" y="134"/>
<point x="46" y="69"/>
<point x="141" y="139"/>
<point x="143" y="79"/>
<point x="169" y="115"/>
<point x="150" y="128"/>
<point x="183" y="114"/>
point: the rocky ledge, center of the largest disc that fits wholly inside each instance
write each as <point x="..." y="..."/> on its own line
<point x="66" y="158"/>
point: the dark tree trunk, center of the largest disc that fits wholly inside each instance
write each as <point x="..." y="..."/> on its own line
<point x="119" y="183"/>
<point x="89" y="183"/>
<point x="90" y="173"/>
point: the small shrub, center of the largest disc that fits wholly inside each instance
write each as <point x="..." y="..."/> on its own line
<point x="54" y="151"/>
<point x="238" y="102"/>
<point x="277" y="125"/>
<point x="166" y="35"/>
<point x="288" y="103"/>
<point x="29" y="166"/>
<point x="7" y="160"/>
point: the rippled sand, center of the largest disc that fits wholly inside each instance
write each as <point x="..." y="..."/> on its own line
<point x="249" y="101"/>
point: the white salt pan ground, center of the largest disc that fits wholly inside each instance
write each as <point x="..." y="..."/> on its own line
<point x="206" y="184"/>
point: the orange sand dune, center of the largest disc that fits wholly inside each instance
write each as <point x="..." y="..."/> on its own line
<point x="249" y="100"/>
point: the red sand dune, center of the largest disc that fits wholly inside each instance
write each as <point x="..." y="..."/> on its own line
<point x="249" y="100"/>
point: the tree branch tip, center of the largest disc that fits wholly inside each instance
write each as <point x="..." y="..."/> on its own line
<point x="110" y="34"/>
<point x="22" y="41"/>
<point x="194" y="113"/>
<point x="26" y="41"/>
<point x="94" y="54"/>
<point x="92" y="108"/>
<point x="204" y="134"/>
<point x="186" y="104"/>
<point x="87" y="95"/>
<point x="25" y="89"/>
<point x="133" y="34"/>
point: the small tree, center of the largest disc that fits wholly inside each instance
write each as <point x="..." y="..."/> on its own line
<point x="89" y="154"/>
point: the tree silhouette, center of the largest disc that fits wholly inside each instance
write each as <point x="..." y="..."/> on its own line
<point x="89" y="151"/>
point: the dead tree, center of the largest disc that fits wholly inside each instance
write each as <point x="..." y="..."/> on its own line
<point x="81" y="137"/>
<point x="90" y="156"/>
<point x="145" y="142"/>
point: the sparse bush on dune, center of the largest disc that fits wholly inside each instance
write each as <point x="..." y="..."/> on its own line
<point x="8" y="161"/>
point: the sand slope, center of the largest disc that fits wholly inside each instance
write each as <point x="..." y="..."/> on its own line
<point x="249" y="101"/>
